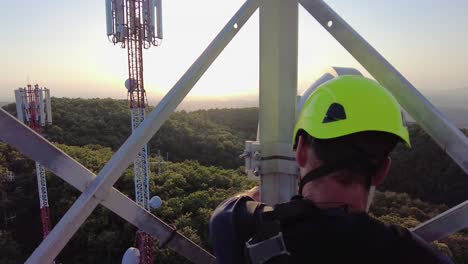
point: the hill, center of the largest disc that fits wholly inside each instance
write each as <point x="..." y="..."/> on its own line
<point x="243" y="121"/>
<point x="185" y="136"/>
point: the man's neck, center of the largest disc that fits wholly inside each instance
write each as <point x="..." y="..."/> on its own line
<point x="326" y="192"/>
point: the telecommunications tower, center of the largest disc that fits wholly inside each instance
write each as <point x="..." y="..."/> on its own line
<point x="34" y="109"/>
<point x="132" y="24"/>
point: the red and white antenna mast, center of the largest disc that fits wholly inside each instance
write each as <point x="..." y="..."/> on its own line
<point x="132" y="23"/>
<point x="34" y="109"/>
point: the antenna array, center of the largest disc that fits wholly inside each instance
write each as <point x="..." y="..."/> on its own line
<point x="33" y="107"/>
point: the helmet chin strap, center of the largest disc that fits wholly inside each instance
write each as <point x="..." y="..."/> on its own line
<point x="328" y="169"/>
<point x="319" y="173"/>
<point x="370" y="197"/>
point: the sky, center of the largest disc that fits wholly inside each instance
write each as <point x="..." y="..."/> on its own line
<point x="63" y="45"/>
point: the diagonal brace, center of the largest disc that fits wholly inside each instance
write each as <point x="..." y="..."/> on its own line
<point x="447" y="223"/>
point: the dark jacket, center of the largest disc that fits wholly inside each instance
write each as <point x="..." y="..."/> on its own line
<point x="325" y="236"/>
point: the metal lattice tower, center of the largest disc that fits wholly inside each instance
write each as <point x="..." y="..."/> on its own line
<point x="33" y="108"/>
<point x="132" y="24"/>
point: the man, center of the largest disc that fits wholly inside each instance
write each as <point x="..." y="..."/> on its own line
<point x="343" y="138"/>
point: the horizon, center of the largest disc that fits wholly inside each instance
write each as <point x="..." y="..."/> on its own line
<point x="453" y="107"/>
<point x="450" y="93"/>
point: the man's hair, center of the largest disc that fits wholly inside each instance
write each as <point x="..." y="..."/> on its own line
<point x="362" y="154"/>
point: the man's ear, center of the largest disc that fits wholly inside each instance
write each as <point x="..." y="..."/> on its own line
<point x="301" y="152"/>
<point x="382" y="172"/>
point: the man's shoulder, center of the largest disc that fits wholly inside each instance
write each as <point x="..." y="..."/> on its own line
<point x="235" y="208"/>
<point x="231" y="225"/>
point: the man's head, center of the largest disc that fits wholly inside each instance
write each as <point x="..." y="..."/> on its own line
<point x="349" y="124"/>
<point x="359" y="156"/>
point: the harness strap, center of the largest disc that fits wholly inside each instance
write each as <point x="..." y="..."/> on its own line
<point x="272" y="250"/>
<point x="267" y="245"/>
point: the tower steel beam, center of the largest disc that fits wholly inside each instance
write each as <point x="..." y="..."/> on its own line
<point x="447" y="223"/>
<point x="278" y="93"/>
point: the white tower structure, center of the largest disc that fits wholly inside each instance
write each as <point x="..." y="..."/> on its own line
<point x="132" y="23"/>
<point x="33" y="107"/>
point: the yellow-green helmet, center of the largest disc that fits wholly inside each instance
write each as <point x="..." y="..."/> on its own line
<point x="350" y="104"/>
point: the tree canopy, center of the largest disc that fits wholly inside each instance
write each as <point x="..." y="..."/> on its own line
<point x="204" y="169"/>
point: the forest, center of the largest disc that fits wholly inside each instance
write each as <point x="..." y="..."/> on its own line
<point x="203" y="169"/>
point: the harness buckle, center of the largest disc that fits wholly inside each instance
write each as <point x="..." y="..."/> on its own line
<point x="267" y="249"/>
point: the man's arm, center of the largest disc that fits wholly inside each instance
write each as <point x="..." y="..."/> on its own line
<point x="232" y="224"/>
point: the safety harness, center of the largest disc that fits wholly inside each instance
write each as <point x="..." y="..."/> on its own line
<point x="267" y="246"/>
